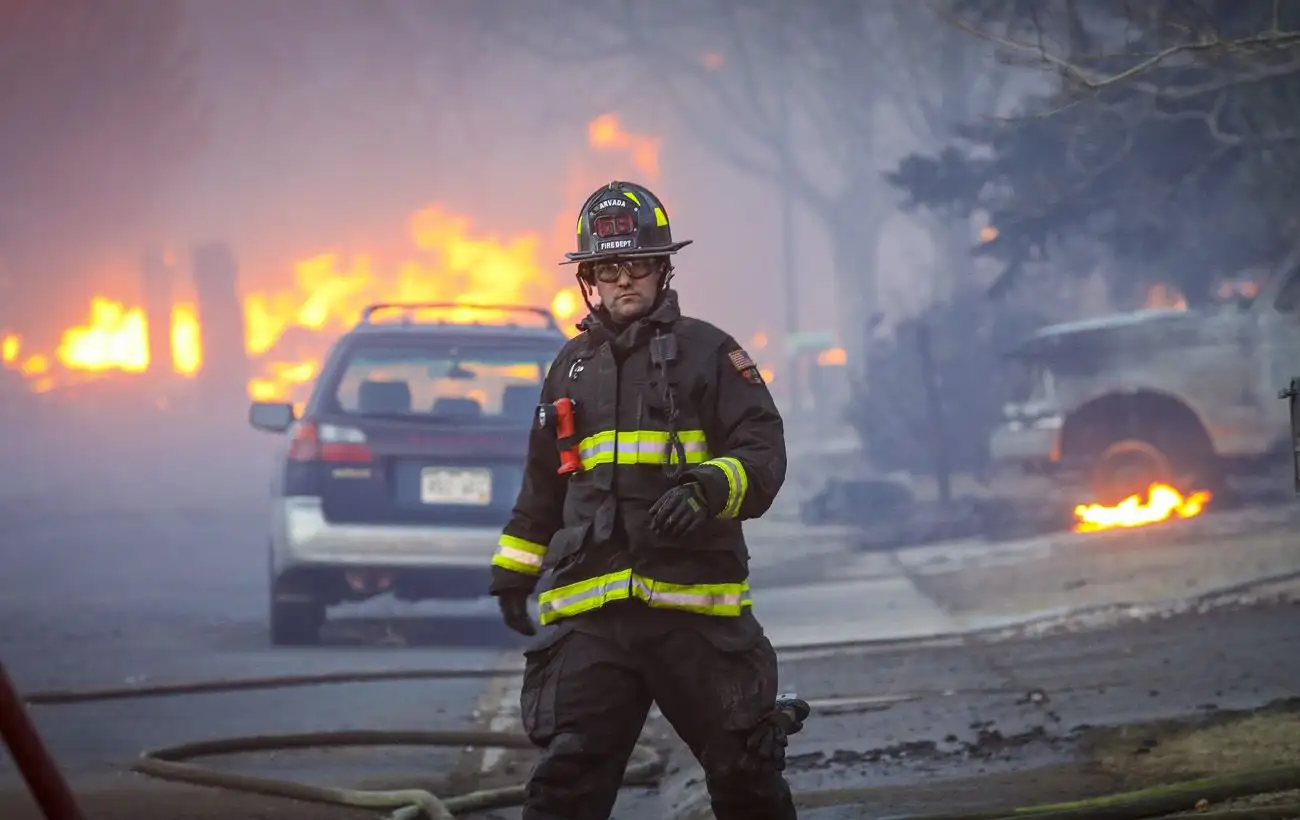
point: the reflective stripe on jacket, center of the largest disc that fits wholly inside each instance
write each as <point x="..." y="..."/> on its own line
<point x="589" y="532"/>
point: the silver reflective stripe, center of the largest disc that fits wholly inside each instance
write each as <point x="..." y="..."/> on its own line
<point x="684" y="599"/>
<point x="520" y="556"/>
<point x="641" y="588"/>
<point x="611" y="589"/>
<point x="589" y="452"/>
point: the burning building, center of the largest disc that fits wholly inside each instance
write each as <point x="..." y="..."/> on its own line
<point x="208" y="323"/>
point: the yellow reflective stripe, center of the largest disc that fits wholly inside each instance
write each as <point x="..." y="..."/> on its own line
<point x="641" y="447"/>
<point x="519" y="555"/>
<point x="737" y="484"/>
<point x="725" y="600"/>
<point x="583" y="596"/>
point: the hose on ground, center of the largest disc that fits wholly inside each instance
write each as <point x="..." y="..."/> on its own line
<point x="647" y="763"/>
<point x="407" y="804"/>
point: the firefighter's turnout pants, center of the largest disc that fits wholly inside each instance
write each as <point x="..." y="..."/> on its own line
<point x="589" y="684"/>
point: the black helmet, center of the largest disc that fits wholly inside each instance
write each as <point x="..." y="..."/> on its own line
<point x="624" y="220"/>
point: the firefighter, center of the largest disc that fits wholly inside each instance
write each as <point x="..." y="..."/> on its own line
<point x="676" y="442"/>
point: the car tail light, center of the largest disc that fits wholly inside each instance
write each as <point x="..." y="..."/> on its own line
<point x="328" y="442"/>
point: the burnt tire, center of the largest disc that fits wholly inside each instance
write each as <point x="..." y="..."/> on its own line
<point x="1129" y="466"/>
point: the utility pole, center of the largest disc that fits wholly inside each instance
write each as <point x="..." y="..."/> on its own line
<point x="789" y="272"/>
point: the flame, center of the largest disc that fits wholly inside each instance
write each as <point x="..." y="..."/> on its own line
<point x="187" y="346"/>
<point x="115" y="339"/>
<point x="606" y="133"/>
<point x="37" y="365"/>
<point x="832" y="357"/>
<point x="1163" y="502"/>
<point x="289" y="329"/>
<point x="1246" y="289"/>
<point x="10" y="346"/>
<point x="1165" y="296"/>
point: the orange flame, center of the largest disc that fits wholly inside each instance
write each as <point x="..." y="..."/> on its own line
<point x="115" y="339"/>
<point x="606" y="133"/>
<point x="833" y="357"/>
<point x="1165" y="296"/>
<point x="10" y="346"/>
<point x="1162" y="503"/>
<point x="187" y="346"/>
<point x="331" y="290"/>
<point x="288" y="329"/>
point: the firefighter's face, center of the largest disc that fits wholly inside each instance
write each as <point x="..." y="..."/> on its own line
<point x="627" y="288"/>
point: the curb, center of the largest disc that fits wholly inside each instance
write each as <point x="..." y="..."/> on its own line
<point x="686" y="787"/>
<point x="1009" y="627"/>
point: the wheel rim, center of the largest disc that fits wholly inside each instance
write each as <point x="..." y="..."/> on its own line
<point x="1128" y="468"/>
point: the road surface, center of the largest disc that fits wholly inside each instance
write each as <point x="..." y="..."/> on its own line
<point x="117" y="573"/>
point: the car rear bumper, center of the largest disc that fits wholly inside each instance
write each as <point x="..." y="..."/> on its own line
<point x="303" y="536"/>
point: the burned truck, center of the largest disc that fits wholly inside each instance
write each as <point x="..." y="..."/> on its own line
<point x="1184" y="397"/>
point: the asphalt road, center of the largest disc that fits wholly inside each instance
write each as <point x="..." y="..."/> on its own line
<point x="136" y="555"/>
<point x="108" y="599"/>
<point x="135" y="566"/>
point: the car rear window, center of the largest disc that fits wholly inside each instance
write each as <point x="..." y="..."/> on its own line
<point x="462" y="384"/>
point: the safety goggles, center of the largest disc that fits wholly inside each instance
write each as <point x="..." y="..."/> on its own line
<point x="609" y="272"/>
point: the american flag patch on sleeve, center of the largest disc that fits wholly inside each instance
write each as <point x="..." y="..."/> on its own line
<point x="745" y="366"/>
<point x="740" y="360"/>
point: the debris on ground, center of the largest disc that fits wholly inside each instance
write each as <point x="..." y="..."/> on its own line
<point x="1222" y="742"/>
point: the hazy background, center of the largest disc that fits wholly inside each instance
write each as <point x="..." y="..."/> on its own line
<point x="294" y="128"/>
<point x="837" y="164"/>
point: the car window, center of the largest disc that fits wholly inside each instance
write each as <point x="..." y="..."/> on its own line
<point x="453" y="383"/>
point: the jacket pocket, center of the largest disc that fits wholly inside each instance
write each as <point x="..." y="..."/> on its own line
<point x="565" y="544"/>
<point x="738" y="662"/>
<point x="540" y="692"/>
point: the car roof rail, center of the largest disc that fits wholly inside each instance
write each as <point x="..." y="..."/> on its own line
<point x="410" y="307"/>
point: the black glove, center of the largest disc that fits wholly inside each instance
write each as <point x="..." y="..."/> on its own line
<point x="769" y="739"/>
<point x="514" y="611"/>
<point x="680" y="510"/>
<point x="767" y="743"/>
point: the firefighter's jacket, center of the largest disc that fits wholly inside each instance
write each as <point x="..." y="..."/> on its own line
<point x="589" y="531"/>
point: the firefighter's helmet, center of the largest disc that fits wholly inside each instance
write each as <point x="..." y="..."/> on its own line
<point x="623" y="220"/>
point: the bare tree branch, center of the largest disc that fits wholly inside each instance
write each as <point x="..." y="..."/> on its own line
<point x="1095" y="81"/>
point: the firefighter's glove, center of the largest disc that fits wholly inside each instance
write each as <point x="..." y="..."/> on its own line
<point x="514" y="611"/>
<point x="768" y="741"/>
<point x="680" y="510"/>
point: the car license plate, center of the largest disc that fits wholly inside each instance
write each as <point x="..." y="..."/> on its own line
<point x="440" y="485"/>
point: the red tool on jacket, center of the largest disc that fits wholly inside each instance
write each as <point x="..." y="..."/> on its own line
<point x="560" y="416"/>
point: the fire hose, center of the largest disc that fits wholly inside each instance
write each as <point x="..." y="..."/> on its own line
<point x="56" y="800"/>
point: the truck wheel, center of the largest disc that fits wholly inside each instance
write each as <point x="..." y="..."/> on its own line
<point x="1128" y="467"/>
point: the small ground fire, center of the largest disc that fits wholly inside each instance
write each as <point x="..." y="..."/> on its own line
<point x="1162" y="503"/>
